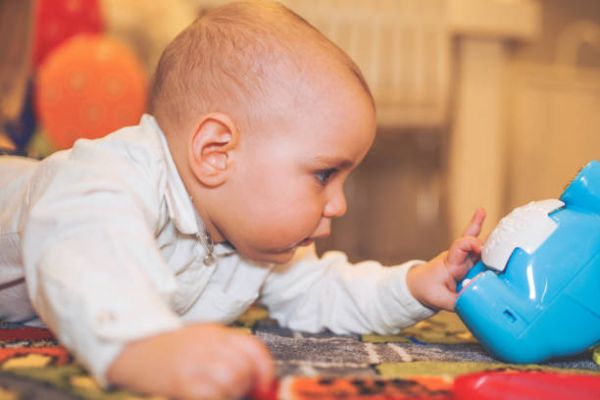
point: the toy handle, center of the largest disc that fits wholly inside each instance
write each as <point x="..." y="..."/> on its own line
<point x="473" y="272"/>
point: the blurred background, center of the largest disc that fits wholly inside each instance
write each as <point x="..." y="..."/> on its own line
<point x="481" y="103"/>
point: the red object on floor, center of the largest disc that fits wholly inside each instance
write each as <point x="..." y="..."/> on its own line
<point x="271" y="394"/>
<point x="524" y="385"/>
<point x="359" y="388"/>
<point x="25" y="333"/>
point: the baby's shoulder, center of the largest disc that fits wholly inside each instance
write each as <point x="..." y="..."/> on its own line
<point x="134" y="146"/>
<point x="129" y="158"/>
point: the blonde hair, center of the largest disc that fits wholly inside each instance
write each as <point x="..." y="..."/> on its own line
<point x="231" y="57"/>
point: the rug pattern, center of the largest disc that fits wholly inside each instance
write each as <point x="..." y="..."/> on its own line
<point x="419" y="363"/>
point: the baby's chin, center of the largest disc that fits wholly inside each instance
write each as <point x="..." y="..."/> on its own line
<point x="271" y="257"/>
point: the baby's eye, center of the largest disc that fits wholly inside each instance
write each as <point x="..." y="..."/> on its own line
<point x="324" y="175"/>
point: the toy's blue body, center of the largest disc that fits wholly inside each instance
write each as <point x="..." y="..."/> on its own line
<point x="547" y="303"/>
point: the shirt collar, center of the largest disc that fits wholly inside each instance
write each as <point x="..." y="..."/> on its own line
<point x="179" y="204"/>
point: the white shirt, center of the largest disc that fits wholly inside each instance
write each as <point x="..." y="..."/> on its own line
<point x="104" y="235"/>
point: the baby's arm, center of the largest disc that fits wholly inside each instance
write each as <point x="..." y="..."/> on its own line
<point x="434" y="283"/>
<point x="204" y="361"/>
<point x="312" y="293"/>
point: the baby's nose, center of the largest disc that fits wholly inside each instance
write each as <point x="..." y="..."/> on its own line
<point x="336" y="206"/>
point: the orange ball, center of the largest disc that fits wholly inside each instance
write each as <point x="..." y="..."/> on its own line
<point x="88" y="87"/>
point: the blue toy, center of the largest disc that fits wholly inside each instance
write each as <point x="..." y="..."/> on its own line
<point x="536" y="293"/>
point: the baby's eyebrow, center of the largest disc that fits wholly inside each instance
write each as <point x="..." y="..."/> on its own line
<point x="341" y="163"/>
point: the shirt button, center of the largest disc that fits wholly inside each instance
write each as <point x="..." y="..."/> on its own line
<point x="106" y="317"/>
<point x="209" y="260"/>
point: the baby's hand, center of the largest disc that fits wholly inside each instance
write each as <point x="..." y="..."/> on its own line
<point x="202" y="361"/>
<point x="434" y="283"/>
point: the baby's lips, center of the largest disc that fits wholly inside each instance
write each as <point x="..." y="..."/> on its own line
<point x="306" y="242"/>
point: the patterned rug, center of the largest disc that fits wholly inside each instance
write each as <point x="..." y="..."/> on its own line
<point x="421" y="363"/>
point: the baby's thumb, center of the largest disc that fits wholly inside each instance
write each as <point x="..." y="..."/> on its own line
<point x="448" y="300"/>
<point x="265" y="377"/>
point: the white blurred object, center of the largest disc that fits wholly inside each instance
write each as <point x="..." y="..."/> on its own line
<point x="554" y="107"/>
<point x="485" y="34"/>
<point x="402" y="48"/>
<point x="148" y="26"/>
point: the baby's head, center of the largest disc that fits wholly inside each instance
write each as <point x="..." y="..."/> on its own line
<point x="265" y="118"/>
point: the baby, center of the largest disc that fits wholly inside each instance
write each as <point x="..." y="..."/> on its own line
<point x="135" y="249"/>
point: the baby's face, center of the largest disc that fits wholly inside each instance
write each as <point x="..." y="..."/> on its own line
<point x="289" y="180"/>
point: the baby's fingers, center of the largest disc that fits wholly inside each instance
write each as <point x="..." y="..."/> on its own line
<point x="260" y="358"/>
<point x="229" y="377"/>
<point x="458" y="259"/>
<point x="446" y="300"/>
<point x="474" y="227"/>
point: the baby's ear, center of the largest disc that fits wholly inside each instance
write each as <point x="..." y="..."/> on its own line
<point x="211" y="147"/>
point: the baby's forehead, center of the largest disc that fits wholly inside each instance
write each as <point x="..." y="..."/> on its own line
<point x="330" y="123"/>
<point x="301" y="86"/>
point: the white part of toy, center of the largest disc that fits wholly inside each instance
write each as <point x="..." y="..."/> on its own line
<point x="526" y="227"/>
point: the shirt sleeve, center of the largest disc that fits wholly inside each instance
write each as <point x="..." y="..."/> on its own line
<point x="312" y="294"/>
<point x="94" y="272"/>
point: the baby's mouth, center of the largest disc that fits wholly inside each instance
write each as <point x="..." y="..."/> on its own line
<point x="305" y="242"/>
